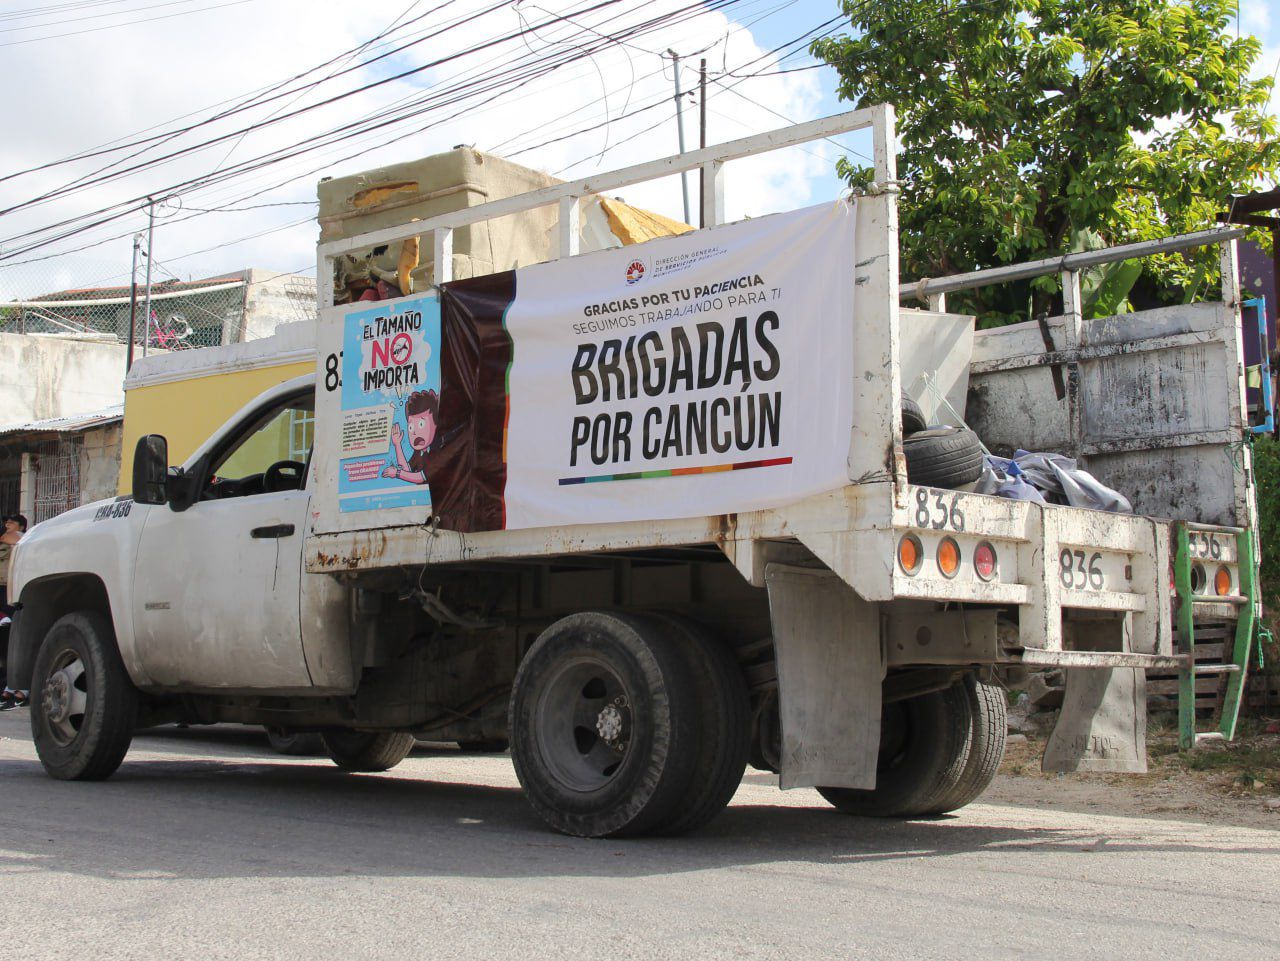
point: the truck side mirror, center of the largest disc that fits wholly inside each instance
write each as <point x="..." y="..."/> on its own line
<point x="151" y="470"/>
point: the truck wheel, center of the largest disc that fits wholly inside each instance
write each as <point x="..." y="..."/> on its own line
<point x="294" y="743"/>
<point x="724" y="726"/>
<point x="83" y="705"/>
<point x="924" y="747"/>
<point x="990" y="727"/>
<point x="603" y="725"/>
<point x="766" y="738"/>
<point x="367" y="751"/>
<point x="945" y="457"/>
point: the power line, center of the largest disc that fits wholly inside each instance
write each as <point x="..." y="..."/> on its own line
<point x="129" y="23"/>
<point x="498" y="77"/>
<point x="248" y="166"/>
<point x="96" y="16"/>
<point x="260" y="102"/>
<point x="53" y="8"/>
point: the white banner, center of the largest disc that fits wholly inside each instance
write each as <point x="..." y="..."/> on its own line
<point x="703" y="374"/>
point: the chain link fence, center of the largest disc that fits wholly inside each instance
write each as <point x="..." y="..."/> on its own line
<point x="183" y="314"/>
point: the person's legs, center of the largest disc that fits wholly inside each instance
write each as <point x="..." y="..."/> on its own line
<point x="9" y="698"/>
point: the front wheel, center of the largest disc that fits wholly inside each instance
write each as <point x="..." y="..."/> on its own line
<point x="294" y="743"/>
<point x="83" y="705"/>
<point x="367" y="752"/>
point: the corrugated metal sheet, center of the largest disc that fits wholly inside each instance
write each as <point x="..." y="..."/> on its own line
<point x="70" y="424"/>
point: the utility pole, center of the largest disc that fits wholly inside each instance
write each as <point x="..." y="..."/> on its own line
<point x="702" y="140"/>
<point x="146" y="310"/>
<point x="133" y="303"/>
<point x="684" y="174"/>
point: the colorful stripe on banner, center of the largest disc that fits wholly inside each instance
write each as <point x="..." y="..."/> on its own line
<point x="675" y="471"/>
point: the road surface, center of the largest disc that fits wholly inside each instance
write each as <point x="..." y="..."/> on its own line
<point x="205" y="845"/>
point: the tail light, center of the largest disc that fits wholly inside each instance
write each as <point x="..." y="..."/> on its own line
<point x="985" y="561"/>
<point x="948" y="556"/>
<point x="910" y="553"/>
<point x="1199" y="580"/>
<point x="1222" y="582"/>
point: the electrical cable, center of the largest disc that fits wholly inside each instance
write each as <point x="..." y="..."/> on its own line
<point x="128" y="23"/>
<point x="243" y="168"/>
<point x="656" y="22"/>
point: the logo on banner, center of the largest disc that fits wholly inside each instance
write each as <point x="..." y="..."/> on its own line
<point x="635" y="271"/>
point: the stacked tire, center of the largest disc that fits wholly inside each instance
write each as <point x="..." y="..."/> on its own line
<point x="944" y="457"/>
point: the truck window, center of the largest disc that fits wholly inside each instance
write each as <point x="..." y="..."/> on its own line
<point x="270" y="454"/>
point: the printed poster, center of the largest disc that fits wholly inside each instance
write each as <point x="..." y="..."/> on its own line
<point x="704" y="374"/>
<point x="390" y="399"/>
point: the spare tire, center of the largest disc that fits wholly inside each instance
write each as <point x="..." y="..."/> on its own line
<point x="912" y="417"/>
<point x="946" y="457"/>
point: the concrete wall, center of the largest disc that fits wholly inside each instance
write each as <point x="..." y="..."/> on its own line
<point x="46" y="375"/>
<point x="100" y="463"/>
<point x="273" y="299"/>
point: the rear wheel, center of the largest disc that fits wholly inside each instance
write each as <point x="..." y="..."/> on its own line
<point x="83" y="705"/>
<point x="924" y="748"/>
<point x="603" y="725"/>
<point x="989" y="715"/>
<point x="367" y="752"/>
<point x="724" y="726"/>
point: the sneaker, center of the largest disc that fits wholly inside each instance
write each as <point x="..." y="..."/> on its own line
<point x="12" y="699"/>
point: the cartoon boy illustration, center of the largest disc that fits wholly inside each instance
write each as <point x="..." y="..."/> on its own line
<point x="420" y="410"/>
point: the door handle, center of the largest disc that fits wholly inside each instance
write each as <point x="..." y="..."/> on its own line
<point x="274" y="530"/>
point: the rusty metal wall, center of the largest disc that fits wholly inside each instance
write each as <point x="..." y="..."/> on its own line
<point x="1151" y="405"/>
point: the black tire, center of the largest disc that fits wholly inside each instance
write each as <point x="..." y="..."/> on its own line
<point x="603" y="725"/>
<point x="912" y="417"/>
<point x="367" y="752"/>
<point x="924" y="747"/>
<point x="724" y="726"/>
<point x="78" y="673"/>
<point x="490" y="746"/>
<point x="295" y="743"/>
<point x="766" y="735"/>
<point x="945" y="457"/>
<point x="990" y="728"/>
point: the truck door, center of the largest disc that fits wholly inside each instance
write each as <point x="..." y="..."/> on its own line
<point x="216" y="587"/>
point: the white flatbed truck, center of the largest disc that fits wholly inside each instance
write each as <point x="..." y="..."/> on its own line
<point x="852" y="639"/>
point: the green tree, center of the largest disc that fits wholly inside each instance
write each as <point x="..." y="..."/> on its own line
<point x="1034" y="127"/>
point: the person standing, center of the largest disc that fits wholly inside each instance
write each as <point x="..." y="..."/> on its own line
<point x="14" y="527"/>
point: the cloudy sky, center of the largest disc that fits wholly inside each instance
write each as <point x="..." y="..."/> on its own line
<point x="83" y="76"/>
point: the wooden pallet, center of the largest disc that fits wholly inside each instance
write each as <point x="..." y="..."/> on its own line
<point x="1212" y="639"/>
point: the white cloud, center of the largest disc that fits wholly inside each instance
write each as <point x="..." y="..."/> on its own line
<point x="82" y="91"/>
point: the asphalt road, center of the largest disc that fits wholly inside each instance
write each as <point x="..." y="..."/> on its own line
<point x="205" y="845"/>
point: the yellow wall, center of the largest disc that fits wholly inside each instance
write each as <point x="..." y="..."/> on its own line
<point x="187" y="412"/>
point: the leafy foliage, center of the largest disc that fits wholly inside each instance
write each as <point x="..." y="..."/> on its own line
<point x="1025" y="125"/>
<point x="1266" y="475"/>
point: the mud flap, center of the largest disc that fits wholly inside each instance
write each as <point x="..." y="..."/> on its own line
<point x="830" y="668"/>
<point x="1103" y="722"/>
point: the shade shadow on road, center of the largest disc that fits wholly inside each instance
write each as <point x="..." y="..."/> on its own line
<point x="234" y="817"/>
